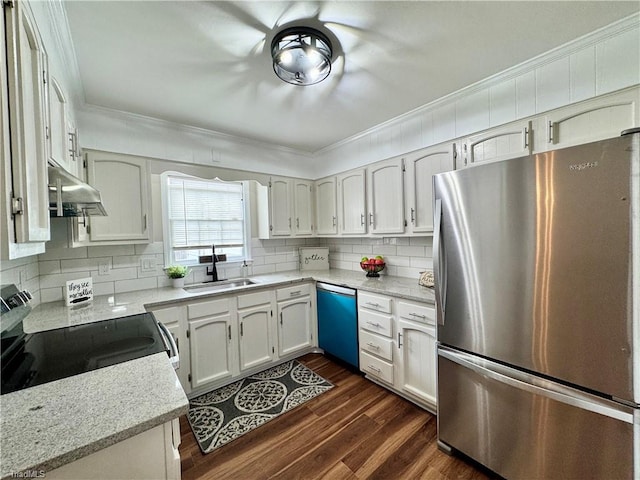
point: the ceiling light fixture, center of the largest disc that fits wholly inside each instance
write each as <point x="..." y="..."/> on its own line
<point x="301" y="55"/>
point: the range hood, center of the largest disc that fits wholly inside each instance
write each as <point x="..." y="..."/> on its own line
<point x="71" y="197"/>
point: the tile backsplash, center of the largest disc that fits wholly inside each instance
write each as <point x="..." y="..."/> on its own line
<point x="123" y="268"/>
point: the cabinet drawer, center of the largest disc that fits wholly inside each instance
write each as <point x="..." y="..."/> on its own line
<point x="210" y="307"/>
<point x="168" y="315"/>
<point x="376" y="367"/>
<point x="253" y="299"/>
<point x="417" y="312"/>
<point x="374" y="302"/>
<point x="293" y="292"/>
<point x="377" y="345"/>
<point x="376" y="322"/>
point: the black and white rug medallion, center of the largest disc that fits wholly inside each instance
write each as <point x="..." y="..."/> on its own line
<point x="225" y="414"/>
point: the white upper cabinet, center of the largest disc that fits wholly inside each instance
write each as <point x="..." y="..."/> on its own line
<point x="60" y="151"/>
<point x="420" y="168"/>
<point x="591" y="120"/>
<point x="303" y="207"/>
<point x="122" y="181"/>
<point x="385" y="181"/>
<point x="27" y="79"/>
<point x="326" y="206"/>
<point x="509" y="141"/>
<point x="280" y="206"/>
<point x="352" y="202"/>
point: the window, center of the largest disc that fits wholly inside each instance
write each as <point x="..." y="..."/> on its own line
<point x="199" y="213"/>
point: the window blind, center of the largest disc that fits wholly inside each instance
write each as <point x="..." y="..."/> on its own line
<point x="205" y="212"/>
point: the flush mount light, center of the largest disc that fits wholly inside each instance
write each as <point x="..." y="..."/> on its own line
<point x="301" y="55"/>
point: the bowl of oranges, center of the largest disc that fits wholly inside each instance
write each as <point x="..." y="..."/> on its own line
<point x="373" y="266"/>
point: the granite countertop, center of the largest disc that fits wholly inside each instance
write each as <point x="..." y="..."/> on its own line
<point x="49" y="425"/>
<point x="52" y="315"/>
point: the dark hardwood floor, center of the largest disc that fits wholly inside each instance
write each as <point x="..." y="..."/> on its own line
<point x="356" y="430"/>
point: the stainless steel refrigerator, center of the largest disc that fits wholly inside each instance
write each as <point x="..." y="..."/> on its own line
<point x="537" y="264"/>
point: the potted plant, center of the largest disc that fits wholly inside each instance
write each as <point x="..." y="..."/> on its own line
<point x="177" y="273"/>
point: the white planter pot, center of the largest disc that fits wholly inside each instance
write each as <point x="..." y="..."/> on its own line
<point x="177" y="282"/>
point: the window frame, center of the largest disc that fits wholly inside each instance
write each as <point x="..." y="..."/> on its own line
<point x="169" y="258"/>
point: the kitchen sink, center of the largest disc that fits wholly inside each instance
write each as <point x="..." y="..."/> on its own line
<point x="218" y="286"/>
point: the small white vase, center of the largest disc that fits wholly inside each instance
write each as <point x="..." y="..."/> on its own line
<point x="177" y="282"/>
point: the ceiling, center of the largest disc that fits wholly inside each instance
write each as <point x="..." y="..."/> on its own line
<point x="205" y="64"/>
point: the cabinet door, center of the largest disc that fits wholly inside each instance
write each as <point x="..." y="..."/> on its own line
<point x="122" y="181"/>
<point x="352" y="202"/>
<point x="294" y="325"/>
<point x="421" y="167"/>
<point x="280" y="206"/>
<point x="385" y="181"/>
<point x="592" y="120"/>
<point x="326" y="207"/>
<point x="27" y="78"/>
<point x="58" y="134"/>
<point x="416" y="363"/>
<point x="211" y="353"/>
<point x="511" y="141"/>
<point x="256" y="345"/>
<point x="303" y="207"/>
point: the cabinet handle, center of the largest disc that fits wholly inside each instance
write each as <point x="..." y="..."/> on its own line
<point x="377" y="325"/>
<point x="241" y="330"/>
<point x="399" y="340"/>
<point x="334" y="220"/>
<point x="465" y="154"/>
<point x="418" y="315"/>
<point x="294" y="293"/>
<point x="375" y="305"/>
<point x="375" y="369"/>
<point x="525" y="138"/>
<point x="144" y="222"/>
<point x="362" y="219"/>
<point x="550" y="132"/>
<point x="373" y="345"/>
<point x="289" y="222"/>
<point x="371" y="219"/>
<point x="280" y="318"/>
<point x="229" y="332"/>
<point x="413" y="217"/>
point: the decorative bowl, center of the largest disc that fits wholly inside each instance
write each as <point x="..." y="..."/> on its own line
<point x="372" y="269"/>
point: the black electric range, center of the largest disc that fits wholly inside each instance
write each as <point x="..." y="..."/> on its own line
<point x="33" y="359"/>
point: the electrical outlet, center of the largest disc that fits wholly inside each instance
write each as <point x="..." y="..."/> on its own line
<point x="103" y="268"/>
<point x="148" y="264"/>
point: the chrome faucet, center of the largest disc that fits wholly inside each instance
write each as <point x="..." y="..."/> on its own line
<point x="214" y="259"/>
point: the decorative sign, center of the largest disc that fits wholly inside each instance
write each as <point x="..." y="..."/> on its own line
<point x="79" y="291"/>
<point x="314" y="258"/>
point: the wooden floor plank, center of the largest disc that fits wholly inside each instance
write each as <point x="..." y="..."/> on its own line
<point x="357" y="430"/>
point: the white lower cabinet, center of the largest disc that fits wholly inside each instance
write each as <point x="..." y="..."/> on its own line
<point x="295" y="319"/>
<point x="255" y="314"/>
<point x="210" y="342"/>
<point x="227" y="337"/>
<point x="398" y="346"/>
<point x="151" y="455"/>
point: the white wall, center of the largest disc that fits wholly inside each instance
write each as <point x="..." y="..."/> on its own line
<point x="602" y="62"/>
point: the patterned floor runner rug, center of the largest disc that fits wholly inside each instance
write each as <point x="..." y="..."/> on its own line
<point x="229" y="412"/>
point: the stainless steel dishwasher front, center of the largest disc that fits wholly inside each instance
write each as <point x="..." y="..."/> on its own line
<point x="338" y="322"/>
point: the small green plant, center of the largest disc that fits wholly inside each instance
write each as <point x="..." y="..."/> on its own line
<point x="176" y="271"/>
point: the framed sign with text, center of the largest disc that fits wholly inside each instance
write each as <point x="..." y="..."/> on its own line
<point x="78" y="291"/>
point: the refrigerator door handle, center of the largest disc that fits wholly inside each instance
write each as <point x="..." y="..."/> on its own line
<point x="538" y="386"/>
<point x="438" y="271"/>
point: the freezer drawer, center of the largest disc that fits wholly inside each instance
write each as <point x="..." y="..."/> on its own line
<point x="522" y="426"/>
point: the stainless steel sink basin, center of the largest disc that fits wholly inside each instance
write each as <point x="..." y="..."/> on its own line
<point x="218" y="286"/>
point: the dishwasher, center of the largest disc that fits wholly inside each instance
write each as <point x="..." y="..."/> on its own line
<point x="338" y="322"/>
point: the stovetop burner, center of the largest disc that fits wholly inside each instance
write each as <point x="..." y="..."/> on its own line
<point x="37" y="358"/>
